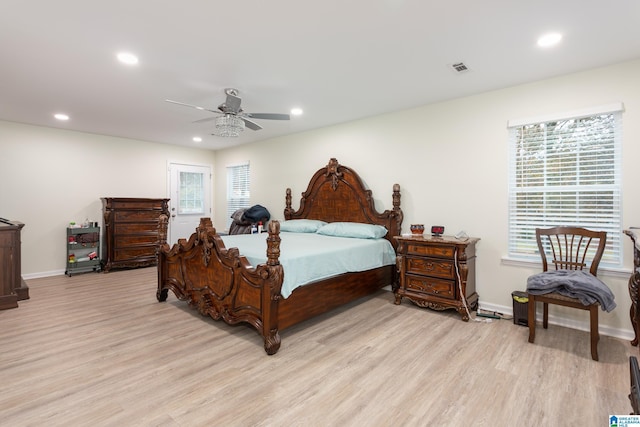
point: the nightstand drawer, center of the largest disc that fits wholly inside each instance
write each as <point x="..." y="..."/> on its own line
<point x="431" y="267"/>
<point x="432" y="286"/>
<point x="438" y="251"/>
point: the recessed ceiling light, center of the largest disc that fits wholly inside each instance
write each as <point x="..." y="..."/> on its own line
<point x="296" y="111"/>
<point x="127" y="58"/>
<point x="550" y="39"/>
<point x="61" y="117"/>
<point x="197" y="139"/>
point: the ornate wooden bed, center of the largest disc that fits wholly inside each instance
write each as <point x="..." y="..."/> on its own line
<point x="220" y="282"/>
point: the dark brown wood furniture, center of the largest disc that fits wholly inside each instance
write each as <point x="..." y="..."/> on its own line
<point x="634" y="287"/>
<point x="437" y="272"/>
<point x="12" y="287"/>
<point x="131" y="234"/>
<point x="220" y="283"/>
<point x="568" y="248"/>
<point x="634" y="380"/>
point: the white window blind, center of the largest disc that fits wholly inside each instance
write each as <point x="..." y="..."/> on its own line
<point x="565" y="172"/>
<point x="237" y="189"/>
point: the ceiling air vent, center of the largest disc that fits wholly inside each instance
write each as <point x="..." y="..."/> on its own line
<point x="459" y="67"/>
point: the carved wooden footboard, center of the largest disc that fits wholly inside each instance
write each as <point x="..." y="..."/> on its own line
<point x="221" y="283"/>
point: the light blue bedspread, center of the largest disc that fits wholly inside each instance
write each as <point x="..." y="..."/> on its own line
<point x="307" y="257"/>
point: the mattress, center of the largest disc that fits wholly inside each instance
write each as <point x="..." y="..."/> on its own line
<point x="309" y="257"/>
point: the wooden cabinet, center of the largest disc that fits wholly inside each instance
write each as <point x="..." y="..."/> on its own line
<point x="131" y="231"/>
<point x="12" y="286"/>
<point x="437" y="272"/>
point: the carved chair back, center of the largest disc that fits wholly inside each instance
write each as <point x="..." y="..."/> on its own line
<point x="571" y="248"/>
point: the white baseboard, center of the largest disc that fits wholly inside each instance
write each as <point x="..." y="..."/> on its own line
<point x="625" y="334"/>
<point x="43" y="274"/>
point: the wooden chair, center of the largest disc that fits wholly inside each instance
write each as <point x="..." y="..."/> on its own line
<point x="568" y="249"/>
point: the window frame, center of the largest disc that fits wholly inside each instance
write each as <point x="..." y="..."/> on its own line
<point x="238" y="175"/>
<point x="521" y="243"/>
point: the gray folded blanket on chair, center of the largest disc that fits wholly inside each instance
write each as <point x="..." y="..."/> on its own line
<point x="575" y="284"/>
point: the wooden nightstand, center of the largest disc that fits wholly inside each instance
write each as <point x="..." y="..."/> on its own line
<point x="435" y="272"/>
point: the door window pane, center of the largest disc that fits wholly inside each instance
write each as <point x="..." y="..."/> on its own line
<point x="191" y="193"/>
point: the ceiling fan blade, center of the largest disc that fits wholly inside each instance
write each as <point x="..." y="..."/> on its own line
<point x="192" y="106"/>
<point x="251" y="125"/>
<point x="207" y="119"/>
<point x="267" y="116"/>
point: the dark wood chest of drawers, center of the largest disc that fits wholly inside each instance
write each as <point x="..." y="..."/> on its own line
<point x="132" y="231"/>
<point x="12" y="286"/>
<point x="437" y="272"/>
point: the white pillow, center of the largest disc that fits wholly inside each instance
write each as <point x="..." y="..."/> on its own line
<point x="353" y="229"/>
<point x="301" y="225"/>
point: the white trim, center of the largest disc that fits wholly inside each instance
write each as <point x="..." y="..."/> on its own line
<point x="43" y="274"/>
<point x="625" y="334"/>
<point x="209" y="196"/>
<point x="585" y="112"/>
<point x="621" y="273"/>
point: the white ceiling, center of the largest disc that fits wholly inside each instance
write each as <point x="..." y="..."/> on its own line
<point x="338" y="60"/>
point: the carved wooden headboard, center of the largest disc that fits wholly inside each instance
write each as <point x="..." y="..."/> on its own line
<point x="336" y="193"/>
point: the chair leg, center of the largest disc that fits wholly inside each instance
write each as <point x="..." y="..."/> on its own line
<point x="545" y="315"/>
<point x="531" y="318"/>
<point x="595" y="334"/>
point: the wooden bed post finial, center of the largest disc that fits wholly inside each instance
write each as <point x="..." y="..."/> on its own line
<point x="287" y="209"/>
<point x="273" y="243"/>
<point x="163" y="221"/>
<point x="396" y="197"/>
<point x="396" y="208"/>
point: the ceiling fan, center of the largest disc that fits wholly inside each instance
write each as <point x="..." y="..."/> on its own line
<point x="232" y="118"/>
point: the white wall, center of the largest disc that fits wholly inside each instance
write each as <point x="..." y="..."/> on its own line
<point x="49" y="177"/>
<point x="450" y="159"/>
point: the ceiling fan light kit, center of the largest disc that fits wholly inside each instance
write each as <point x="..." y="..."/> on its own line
<point x="229" y="125"/>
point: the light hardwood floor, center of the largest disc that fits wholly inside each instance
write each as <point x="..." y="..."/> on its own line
<point x="98" y="349"/>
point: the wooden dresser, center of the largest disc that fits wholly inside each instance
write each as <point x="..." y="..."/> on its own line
<point x="436" y="272"/>
<point x="131" y="231"/>
<point x="12" y="286"/>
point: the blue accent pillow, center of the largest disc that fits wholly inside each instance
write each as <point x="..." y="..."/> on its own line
<point x="301" y="225"/>
<point x="353" y="229"/>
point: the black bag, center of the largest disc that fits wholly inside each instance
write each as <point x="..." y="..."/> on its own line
<point x="256" y="213"/>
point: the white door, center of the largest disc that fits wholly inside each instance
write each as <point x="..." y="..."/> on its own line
<point x="190" y="194"/>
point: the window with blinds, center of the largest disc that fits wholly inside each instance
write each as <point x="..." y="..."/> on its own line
<point x="237" y="189"/>
<point x="566" y="172"/>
